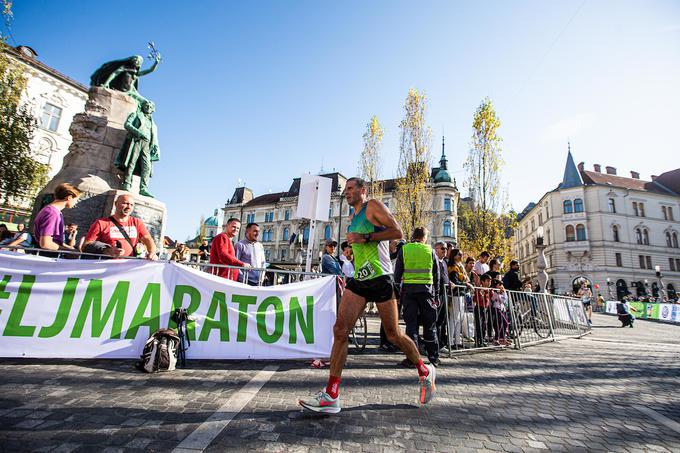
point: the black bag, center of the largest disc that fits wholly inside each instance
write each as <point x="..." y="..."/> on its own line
<point x="160" y="352"/>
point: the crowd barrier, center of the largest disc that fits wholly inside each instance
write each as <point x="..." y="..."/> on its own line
<point x="485" y="318"/>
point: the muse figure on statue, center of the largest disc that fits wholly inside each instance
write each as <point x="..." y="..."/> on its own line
<point x="140" y="148"/>
<point x="122" y="75"/>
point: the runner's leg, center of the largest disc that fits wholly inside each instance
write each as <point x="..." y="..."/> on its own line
<point x="349" y="311"/>
<point x="388" y="316"/>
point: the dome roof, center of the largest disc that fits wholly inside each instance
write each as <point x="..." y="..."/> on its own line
<point x="211" y="221"/>
<point x="442" y="176"/>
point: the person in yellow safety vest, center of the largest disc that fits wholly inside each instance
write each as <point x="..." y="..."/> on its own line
<point x="418" y="272"/>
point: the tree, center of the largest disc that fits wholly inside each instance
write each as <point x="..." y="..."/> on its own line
<point x="201" y="230"/>
<point x="20" y="174"/>
<point x="413" y="205"/>
<point x="483" y="225"/>
<point x="369" y="163"/>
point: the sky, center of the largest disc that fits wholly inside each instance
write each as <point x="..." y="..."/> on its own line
<point x="260" y="92"/>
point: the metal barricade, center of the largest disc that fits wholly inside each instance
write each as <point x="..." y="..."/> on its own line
<point x="267" y="277"/>
<point x="487" y="318"/>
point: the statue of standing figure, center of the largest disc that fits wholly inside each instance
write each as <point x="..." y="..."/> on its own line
<point x="140" y="148"/>
<point x="123" y="75"/>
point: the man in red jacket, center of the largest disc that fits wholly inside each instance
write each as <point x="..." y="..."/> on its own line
<point x="222" y="251"/>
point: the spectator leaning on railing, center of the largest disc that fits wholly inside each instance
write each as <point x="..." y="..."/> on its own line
<point x="48" y="226"/>
<point x="120" y="234"/>
<point x="250" y="251"/>
<point x="222" y="251"/>
<point x="22" y="238"/>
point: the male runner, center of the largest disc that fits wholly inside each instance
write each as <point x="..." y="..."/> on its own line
<point x="370" y="231"/>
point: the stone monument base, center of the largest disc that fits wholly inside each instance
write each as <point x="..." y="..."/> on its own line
<point x="98" y="134"/>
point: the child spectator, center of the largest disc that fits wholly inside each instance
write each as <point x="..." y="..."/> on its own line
<point x="499" y="302"/>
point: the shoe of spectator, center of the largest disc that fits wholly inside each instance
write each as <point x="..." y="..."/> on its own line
<point x="407" y="363"/>
<point x="435" y="362"/>
<point x="444" y="350"/>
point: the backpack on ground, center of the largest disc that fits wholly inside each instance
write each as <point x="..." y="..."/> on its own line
<point x="160" y="352"/>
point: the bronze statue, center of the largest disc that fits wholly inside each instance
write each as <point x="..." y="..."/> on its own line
<point x="122" y="75"/>
<point x="140" y="148"/>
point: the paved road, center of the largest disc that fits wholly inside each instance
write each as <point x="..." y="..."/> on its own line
<point x="615" y="390"/>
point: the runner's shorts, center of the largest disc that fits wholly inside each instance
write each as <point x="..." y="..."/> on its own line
<point x="379" y="289"/>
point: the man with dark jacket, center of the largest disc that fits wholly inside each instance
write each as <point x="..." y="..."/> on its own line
<point x="511" y="280"/>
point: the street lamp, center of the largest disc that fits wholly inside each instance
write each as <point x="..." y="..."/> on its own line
<point x="659" y="276"/>
<point x="609" y="288"/>
<point x="542" y="275"/>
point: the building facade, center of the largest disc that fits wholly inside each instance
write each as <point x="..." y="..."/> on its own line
<point x="608" y="230"/>
<point x="54" y="99"/>
<point x="285" y="237"/>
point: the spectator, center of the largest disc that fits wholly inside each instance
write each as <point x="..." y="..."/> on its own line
<point x="5" y="235"/>
<point x="623" y="310"/>
<point x="222" y="251"/>
<point x="469" y="269"/>
<point x="71" y="234"/>
<point x="329" y="264"/>
<point x="48" y="226"/>
<point x="3" y="229"/>
<point x="121" y="234"/>
<point x="511" y="279"/>
<point x="494" y="269"/>
<point x="203" y="251"/>
<point x="481" y="267"/>
<point x="250" y="251"/>
<point x="418" y="270"/>
<point x="346" y="259"/>
<point x="482" y="301"/>
<point x="442" y="295"/>
<point x="499" y="303"/>
<point x="456" y="272"/>
<point x="22" y="238"/>
<point x="180" y="253"/>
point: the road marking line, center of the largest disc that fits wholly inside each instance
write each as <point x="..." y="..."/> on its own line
<point x="206" y="432"/>
<point x="672" y="424"/>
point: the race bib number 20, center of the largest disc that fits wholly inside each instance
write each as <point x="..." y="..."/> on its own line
<point x="364" y="272"/>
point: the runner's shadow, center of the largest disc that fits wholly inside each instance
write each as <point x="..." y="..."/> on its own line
<point x="379" y="407"/>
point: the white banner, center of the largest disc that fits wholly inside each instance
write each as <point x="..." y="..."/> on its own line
<point x="85" y="309"/>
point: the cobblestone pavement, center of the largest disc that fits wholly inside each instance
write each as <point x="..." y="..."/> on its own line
<point x="592" y="394"/>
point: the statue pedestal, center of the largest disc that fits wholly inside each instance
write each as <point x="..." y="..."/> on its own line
<point x="98" y="133"/>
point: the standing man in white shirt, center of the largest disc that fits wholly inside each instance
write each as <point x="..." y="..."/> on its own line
<point x="481" y="267"/>
<point x="250" y="251"/>
<point x="346" y="260"/>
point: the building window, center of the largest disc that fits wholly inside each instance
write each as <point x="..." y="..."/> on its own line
<point x="568" y="209"/>
<point x="642" y="261"/>
<point x="447" y="204"/>
<point x="447" y="229"/>
<point x="635" y="209"/>
<point x="286" y="234"/>
<point x="677" y="265"/>
<point x="267" y="254"/>
<point x="638" y="235"/>
<point x="649" y="261"/>
<point x="671" y="264"/>
<point x="330" y="212"/>
<point x="571" y="236"/>
<point x="547" y="236"/>
<point x="669" y="210"/>
<point x="612" y="205"/>
<point x="619" y="262"/>
<point x="286" y="214"/>
<point x="283" y="254"/>
<point x="533" y="225"/>
<point x="578" y="205"/>
<point x="50" y="117"/>
<point x="641" y="207"/>
<point x="645" y="237"/>
<point x="305" y="234"/>
<point x="540" y="218"/>
<point x="327" y="232"/>
<point x="580" y="232"/>
<point x="615" y="230"/>
<point x="675" y="240"/>
<point x="669" y="240"/>
<point x="663" y="211"/>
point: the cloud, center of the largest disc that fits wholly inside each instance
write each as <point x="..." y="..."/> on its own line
<point x="568" y="127"/>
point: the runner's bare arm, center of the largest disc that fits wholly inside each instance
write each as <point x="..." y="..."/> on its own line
<point x="378" y="214"/>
